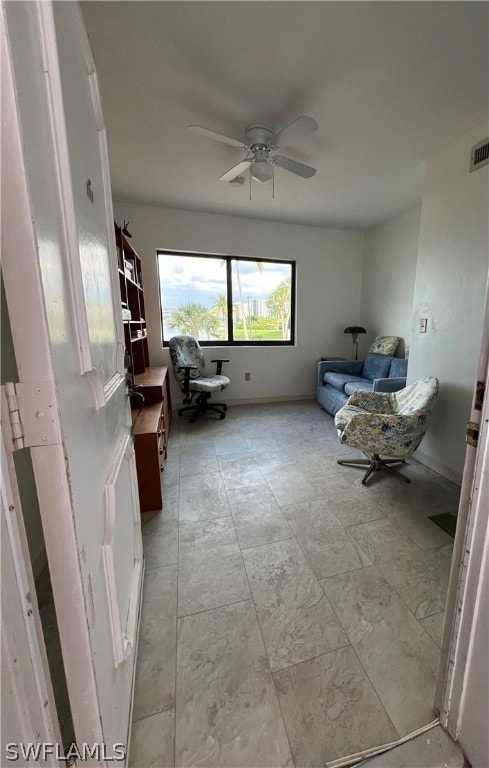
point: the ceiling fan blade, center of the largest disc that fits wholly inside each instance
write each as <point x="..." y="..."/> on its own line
<point x="216" y="136"/>
<point x="235" y="171"/>
<point x="299" y="128"/>
<point x="294" y="167"/>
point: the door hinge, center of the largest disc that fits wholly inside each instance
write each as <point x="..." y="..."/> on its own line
<point x="33" y="414"/>
<point x="480" y="389"/>
<point x="472" y="435"/>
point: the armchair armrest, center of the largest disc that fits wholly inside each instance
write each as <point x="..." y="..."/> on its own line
<point x="389" y="385"/>
<point x="219" y="362"/>
<point x="353" y="367"/>
<point x="376" y="402"/>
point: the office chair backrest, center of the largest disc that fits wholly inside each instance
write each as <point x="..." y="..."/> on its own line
<point x="186" y="351"/>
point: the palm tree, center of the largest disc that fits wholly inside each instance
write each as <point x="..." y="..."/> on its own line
<point x="221" y="309"/>
<point x="279" y="304"/>
<point x="211" y="324"/>
<point x="191" y="318"/>
<point x="259" y="266"/>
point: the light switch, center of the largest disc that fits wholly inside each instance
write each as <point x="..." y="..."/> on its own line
<point x="423" y="324"/>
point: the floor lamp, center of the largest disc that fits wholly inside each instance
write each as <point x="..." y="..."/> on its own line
<point x="355" y="330"/>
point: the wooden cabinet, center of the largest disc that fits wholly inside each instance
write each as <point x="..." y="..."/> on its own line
<point x="151" y="422"/>
<point x="151" y="425"/>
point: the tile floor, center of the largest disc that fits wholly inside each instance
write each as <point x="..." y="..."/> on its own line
<point x="291" y="616"/>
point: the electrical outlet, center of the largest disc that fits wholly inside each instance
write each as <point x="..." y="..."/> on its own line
<point x="423" y="324"/>
<point x="248" y="376"/>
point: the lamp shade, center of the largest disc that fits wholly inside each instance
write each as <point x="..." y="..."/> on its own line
<point x="355" y="330"/>
<point x="261" y="170"/>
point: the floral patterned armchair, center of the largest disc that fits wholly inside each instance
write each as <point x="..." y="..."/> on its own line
<point x="388" y="423"/>
<point x="189" y="369"/>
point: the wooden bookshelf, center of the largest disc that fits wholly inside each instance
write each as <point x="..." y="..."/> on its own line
<point x="151" y="421"/>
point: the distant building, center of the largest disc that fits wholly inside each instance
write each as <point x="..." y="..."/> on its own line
<point x="257" y="308"/>
<point x="251" y="308"/>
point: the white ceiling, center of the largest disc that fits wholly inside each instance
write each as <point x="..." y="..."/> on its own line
<point x="388" y="83"/>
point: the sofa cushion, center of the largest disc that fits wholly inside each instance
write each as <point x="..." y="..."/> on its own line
<point x="338" y="380"/>
<point x="360" y="385"/>
<point x="376" y="366"/>
<point x="385" y="345"/>
<point x="398" y="368"/>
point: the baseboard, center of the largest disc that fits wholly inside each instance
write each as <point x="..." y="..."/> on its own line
<point x="258" y="400"/>
<point x="277" y="399"/>
<point x="438" y="467"/>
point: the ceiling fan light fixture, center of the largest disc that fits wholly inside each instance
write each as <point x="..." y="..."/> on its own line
<point x="262" y="170"/>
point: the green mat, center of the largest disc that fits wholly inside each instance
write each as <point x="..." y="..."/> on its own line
<point x="446" y="521"/>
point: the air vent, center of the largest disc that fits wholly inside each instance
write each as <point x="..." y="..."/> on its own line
<point x="479" y="155"/>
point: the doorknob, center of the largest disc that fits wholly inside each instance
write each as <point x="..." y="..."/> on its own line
<point x="132" y="390"/>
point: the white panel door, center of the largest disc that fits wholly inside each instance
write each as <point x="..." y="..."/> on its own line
<point x="62" y="293"/>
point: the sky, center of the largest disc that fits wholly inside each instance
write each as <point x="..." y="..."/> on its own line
<point x="202" y="279"/>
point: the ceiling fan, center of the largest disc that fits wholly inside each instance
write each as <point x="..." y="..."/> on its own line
<point x="260" y="141"/>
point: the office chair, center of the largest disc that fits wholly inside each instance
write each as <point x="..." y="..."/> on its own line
<point x="189" y="369"/>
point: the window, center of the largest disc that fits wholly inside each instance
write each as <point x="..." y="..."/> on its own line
<point x="227" y="300"/>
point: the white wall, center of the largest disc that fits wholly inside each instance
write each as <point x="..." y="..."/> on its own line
<point x="451" y="278"/>
<point x="329" y="276"/>
<point x="389" y="272"/>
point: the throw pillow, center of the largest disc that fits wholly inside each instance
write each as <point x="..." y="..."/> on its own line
<point x="376" y="367"/>
<point x="385" y="345"/>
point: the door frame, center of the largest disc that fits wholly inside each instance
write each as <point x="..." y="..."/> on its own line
<point x="468" y="555"/>
<point x="32" y="708"/>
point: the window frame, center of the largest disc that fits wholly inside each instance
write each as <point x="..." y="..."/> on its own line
<point x="228" y="259"/>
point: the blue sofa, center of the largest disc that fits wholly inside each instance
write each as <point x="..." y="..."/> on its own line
<point x="338" y="379"/>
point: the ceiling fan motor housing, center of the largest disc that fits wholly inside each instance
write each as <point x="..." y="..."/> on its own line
<point x="259" y="135"/>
